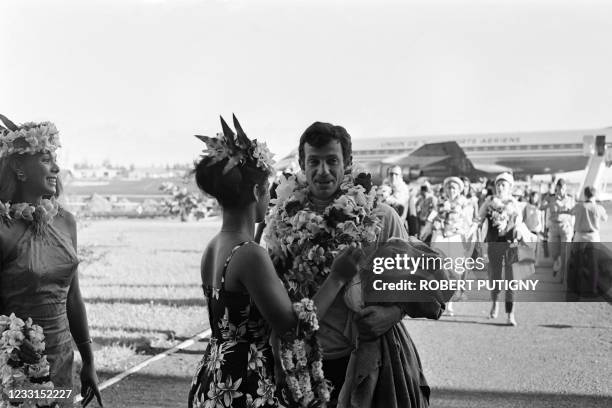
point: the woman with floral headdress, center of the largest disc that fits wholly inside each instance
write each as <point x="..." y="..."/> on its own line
<point x="38" y="260"/>
<point x="245" y="298"/>
<point x="452" y="226"/>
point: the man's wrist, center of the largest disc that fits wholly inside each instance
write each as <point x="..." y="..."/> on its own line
<point x="338" y="280"/>
<point x="400" y="312"/>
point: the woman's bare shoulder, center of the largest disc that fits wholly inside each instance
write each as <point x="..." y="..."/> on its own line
<point x="67" y="216"/>
<point x="66" y="221"/>
<point x="251" y="256"/>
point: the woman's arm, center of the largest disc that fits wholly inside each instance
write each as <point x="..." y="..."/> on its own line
<point x="79" y="328"/>
<point x="77" y="318"/>
<point x="256" y="272"/>
<point x="482" y="213"/>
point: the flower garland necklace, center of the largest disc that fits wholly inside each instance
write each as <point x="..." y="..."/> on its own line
<point x="304" y="242"/>
<point x="450" y="216"/>
<point x="302" y="360"/>
<point x="503" y="213"/>
<point x="39" y="216"/>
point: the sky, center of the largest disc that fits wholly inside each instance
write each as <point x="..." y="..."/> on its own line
<point x="132" y="81"/>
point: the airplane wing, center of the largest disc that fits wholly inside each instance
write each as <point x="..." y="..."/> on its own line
<point x="440" y="160"/>
<point x="414" y="161"/>
<point x="444" y="154"/>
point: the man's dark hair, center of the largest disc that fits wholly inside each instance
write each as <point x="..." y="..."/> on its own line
<point x="319" y="134"/>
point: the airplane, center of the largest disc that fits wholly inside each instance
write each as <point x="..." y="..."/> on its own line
<point x="474" y="155"/>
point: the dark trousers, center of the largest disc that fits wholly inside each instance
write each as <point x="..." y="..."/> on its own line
<point x="413" y="225"/>
<point x="498" y="264"/>
<point x="335" y="371"/>
<point x="583" y="271"/>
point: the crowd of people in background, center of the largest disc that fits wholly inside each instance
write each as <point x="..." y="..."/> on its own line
<point x="455" y="217"/>
<point x="553" y="215"/>
<point x="453" y="213"/>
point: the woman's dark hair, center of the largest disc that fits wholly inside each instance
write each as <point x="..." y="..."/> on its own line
<point x="319" y="134"/>
<point x="233" y="189"/>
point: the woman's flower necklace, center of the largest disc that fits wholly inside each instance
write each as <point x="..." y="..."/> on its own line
<point x="39" y="216"/>
<point x="303" y="242"/>
<point x="503" y="213"/>
<point x="450" y="216"/>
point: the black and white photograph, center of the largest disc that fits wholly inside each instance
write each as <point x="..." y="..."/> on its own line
<point x="342" y="204"/>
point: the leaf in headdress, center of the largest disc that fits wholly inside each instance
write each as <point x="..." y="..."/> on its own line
<point x="231" y="163"/>
<point x="228" y="133"/>
<point x="215" y="149"/>
<point x="8" y="123"/>
<point x="242" y="138"/>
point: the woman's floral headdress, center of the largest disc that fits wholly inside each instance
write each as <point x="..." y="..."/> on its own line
<point x="237" y="148"/>
<point x="29" y="138"/>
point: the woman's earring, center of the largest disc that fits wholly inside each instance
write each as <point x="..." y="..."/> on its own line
<point x="21" y="175"/>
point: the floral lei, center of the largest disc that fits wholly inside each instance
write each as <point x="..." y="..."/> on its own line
<point x="39" y="216"/>
<point x="303" y="245"/>
<point x="449" y="219"/>
<point x="14" y="373"/>
<point x="503" y="213"/>
<point x="302" y="359"/>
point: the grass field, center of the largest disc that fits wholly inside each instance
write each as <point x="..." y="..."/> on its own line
<point x="142" y="288"/>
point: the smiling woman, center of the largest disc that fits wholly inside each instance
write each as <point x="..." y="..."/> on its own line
<point x="38" y="261"/>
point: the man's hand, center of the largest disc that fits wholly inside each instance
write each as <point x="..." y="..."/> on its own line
<point x="346" y="264"/>
<point x="374" y="321"/>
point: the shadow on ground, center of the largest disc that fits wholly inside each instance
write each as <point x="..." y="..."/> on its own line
<point x="148" y="301"/>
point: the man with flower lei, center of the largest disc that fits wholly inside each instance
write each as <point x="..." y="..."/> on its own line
<point x="316" y="215"/>
<point x="38" y="261"/>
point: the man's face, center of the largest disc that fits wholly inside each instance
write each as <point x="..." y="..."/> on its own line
<point x="324" y="169"/>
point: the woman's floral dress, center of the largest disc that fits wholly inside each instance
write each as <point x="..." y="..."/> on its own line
<point x="237" y="367"/>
